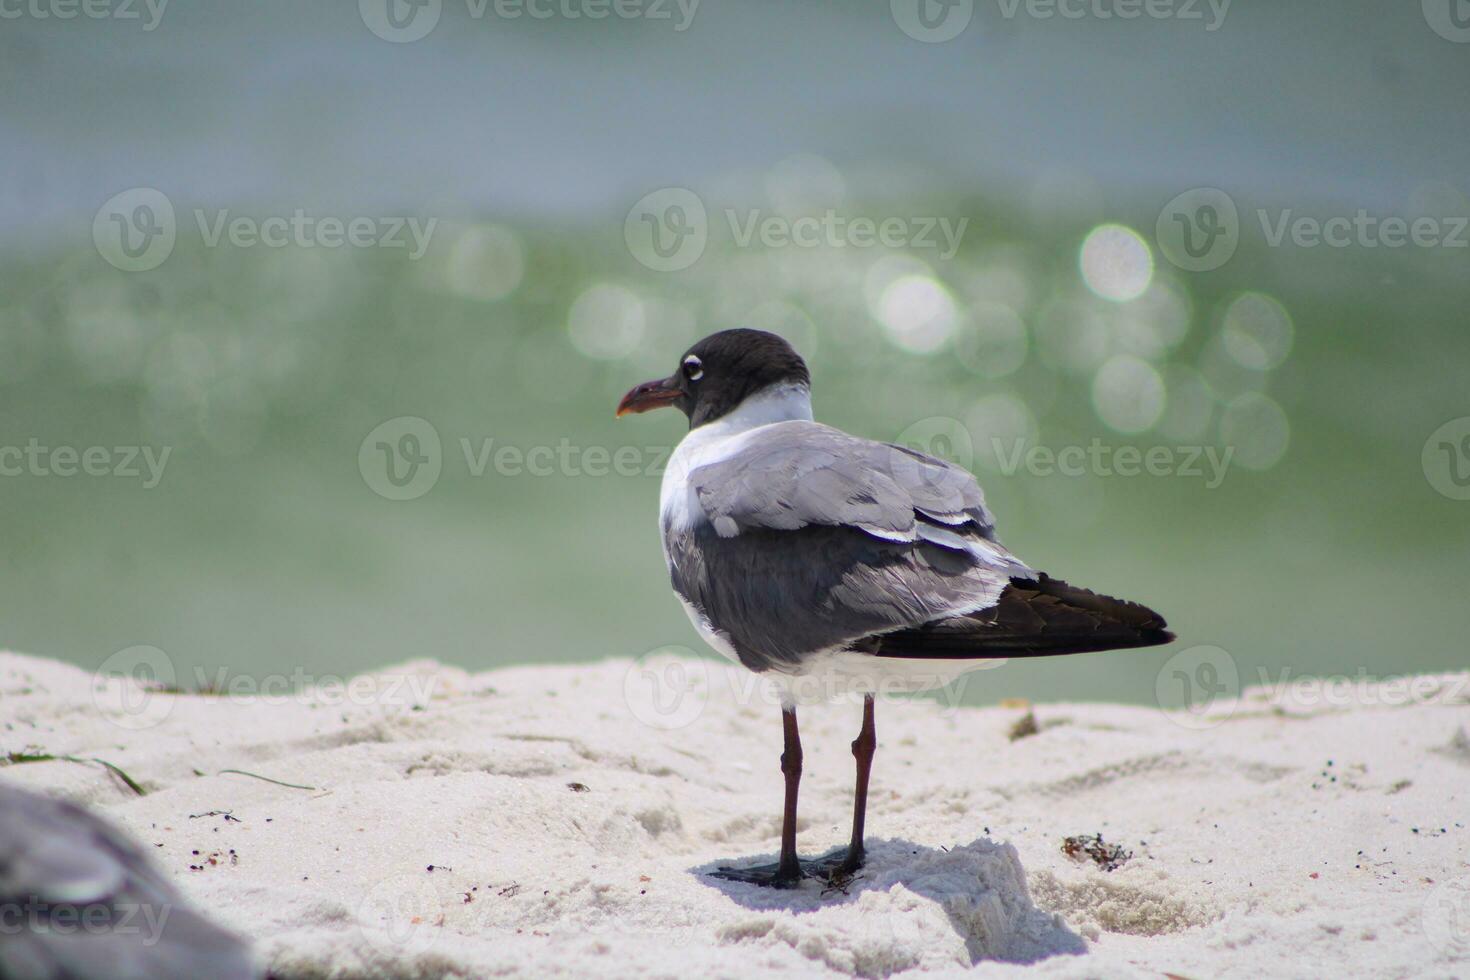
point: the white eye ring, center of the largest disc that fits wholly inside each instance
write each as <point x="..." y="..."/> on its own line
<point x="693" y="368"/>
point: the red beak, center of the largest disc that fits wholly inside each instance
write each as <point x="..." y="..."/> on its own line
<point x="650" y="395"/>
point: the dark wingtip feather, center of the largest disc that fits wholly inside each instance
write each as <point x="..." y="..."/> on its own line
<point x="1033" y="618"/>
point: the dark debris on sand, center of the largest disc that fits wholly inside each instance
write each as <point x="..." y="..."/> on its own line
<point x="1091" y="847"/>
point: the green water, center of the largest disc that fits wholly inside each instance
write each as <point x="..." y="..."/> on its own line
<point x="264" y="549"/>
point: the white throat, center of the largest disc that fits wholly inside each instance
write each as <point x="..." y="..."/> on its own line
<point x="722" y="438"/>
<point x="778" y="403"/>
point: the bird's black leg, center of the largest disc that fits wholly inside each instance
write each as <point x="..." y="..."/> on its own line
<point x="863" y="748"/>
<point x="787" y="872"/>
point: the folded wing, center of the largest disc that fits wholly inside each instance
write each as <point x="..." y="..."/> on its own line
<point x="812" y="539"/>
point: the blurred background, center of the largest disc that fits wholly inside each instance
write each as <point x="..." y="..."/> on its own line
<point x="313" y="316"/>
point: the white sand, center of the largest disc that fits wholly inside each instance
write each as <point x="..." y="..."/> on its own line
<point x="1307" y="840"/>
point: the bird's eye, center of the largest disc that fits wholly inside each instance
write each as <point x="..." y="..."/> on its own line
<point x="693" y="368"/>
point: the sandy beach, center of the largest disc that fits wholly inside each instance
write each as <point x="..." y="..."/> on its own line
<point x="556" y="821"/>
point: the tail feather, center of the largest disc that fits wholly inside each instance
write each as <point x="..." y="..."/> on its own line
<point x="1040" y="618"/>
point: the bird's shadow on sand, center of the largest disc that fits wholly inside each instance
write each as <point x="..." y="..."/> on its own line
<point x="980" y="886"/>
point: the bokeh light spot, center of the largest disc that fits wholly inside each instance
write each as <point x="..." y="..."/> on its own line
<point x="485" y="262"/>
<point x="992" y="342"/>
<point x="918" y="314"/>
<point x="1003" y="428"/>
<point x="606" y="322"/>
<point x="1256" y="428"/>
<point x="1189" y="405"/>
<point x="1128" y="394"/>
<point x="1257" y="331"/>
<point x="1116" y="263"/>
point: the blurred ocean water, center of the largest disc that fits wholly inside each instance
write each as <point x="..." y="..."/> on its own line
<point x="268" y="451"/>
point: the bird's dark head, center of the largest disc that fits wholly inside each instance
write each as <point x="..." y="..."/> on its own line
<point x="718" y="373"/>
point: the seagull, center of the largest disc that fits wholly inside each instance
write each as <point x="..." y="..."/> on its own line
<point x="79" y="900"/>
<point x="837" y="566"/>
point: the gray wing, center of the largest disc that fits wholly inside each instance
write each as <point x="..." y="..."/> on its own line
<point x="813" y="539"/>
<point x="86" y="902"/>
<point x="803" y="473"/>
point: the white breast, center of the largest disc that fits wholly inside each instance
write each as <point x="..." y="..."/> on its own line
<point x="678" y="506"/>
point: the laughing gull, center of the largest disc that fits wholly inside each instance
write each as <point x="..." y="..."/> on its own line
<point x="79" y="900"/>
<point x="837" y="565"/>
